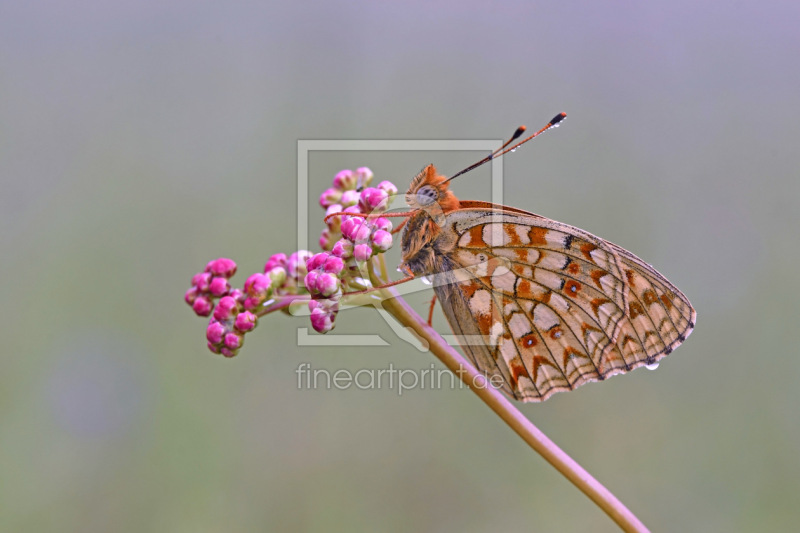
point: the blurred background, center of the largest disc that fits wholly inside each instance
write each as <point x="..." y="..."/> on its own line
<point x="138" y="140"/>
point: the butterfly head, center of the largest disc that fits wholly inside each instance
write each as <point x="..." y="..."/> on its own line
<point x="431" y="192"/>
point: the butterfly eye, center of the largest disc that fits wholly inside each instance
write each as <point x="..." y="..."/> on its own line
<point x="426" y="195"/>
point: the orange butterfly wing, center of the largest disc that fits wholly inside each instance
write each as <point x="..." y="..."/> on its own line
<point x="547" y="307"/>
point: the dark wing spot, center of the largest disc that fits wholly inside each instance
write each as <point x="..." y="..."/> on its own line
<point x="649" y="297"/>
<point x="526" y="341"/>
<point x="596" y="303"/>
<point x="572" y="287"/>
<point x="587" y="249"/>
<point x="537" y="236"/>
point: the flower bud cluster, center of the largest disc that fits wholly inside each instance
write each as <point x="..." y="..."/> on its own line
<point x="362" y="238"/>
<point x="228" y="324"/>
<point x="229" y="321"/>
<point x="210" y="284"/>
<point x="349" y="241"/>
<point x="350" y="194"/>
<point x="325" y="286"/>
<point x="354" y="237"/>
<point x="294" y="272"/>
<point x="236" y="312"/>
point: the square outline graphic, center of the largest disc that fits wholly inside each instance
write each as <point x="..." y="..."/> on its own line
<point x="306" y="146"/>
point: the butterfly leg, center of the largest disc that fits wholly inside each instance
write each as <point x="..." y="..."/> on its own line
<point x="399" y="226"/>
<point x="384" y="286"/>
<point x="430" y="311"/>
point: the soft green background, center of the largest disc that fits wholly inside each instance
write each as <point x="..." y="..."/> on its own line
<point x="140" y="139"/>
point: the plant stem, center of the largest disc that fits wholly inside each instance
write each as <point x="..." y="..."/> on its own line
<point x="281" y="303"/>
<point x="537" y="440"/>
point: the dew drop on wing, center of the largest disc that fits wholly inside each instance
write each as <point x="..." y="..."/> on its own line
<point x="651" y="367"/>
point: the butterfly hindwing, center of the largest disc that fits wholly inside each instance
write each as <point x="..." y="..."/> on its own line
<point x="552" y="306"/>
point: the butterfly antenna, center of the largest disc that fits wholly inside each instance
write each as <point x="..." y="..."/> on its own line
<point x="504" y="149"/>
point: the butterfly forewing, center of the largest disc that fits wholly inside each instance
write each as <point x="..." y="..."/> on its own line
<point x="547" y="306"/>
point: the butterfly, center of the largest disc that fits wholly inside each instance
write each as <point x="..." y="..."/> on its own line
<point x="538" y="306"/>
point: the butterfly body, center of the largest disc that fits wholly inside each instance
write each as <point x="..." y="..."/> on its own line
<point x="538" y="305"/>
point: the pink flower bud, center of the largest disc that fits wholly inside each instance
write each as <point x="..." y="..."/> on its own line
<point x="252" y="303"/>
<point x="213" y="347"/>
<point x="334" y="223"/>
<point x="362" y="252"/>
<point x="226" y="308"/>
<point x="389" y="187"/>
<point x="361" y="234"/>
<point x="202" y="306"/>
<point x="314" y="304"/>
<point x="327" y="284"/>
<point x="233" y="341"/>
<point x="316" y="261"/>
<point x="310" y="281"/>
<point x="383" y="223"/>
<point x="222" y="267"/>
<point x="277" y="275"/>
<point x="201" y="280"/>
<point x="330" y="197"/>
<point x="382" y="240"/>
<point x="296" y="265"/>
<point x="274" y="261"/>
<point x="333" y="265"/>
<point x="345" y="180"/>
<point x="350" y="198"/>
<point x="356" y="230"/>
<point x="321" y="321"/>
<point x="190" y="295"/>
<point x="257" y="285"/>
<point x="349" y="224"/>
<point x="363" y="176"/>
<point x="219" y="286"/>
<point x="226" y="352"/>
<point x="343" y="248"/>
<point x="372" y="199"/>
<point x="333" y="208"/>
<point x="245" y="321"/>
<point x="214" y="332"/>
<point x="237" y="295"/>
<point x="325" y="239"/>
